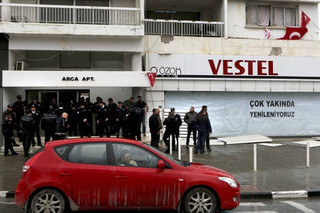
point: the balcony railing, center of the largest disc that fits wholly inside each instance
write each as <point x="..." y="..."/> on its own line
<point x="61" y="14"/>
<point x="184" y="28"/>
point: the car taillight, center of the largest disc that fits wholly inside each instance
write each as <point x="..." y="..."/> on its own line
<point x="30" y="162"/>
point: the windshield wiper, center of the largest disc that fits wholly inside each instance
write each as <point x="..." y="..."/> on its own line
<point x="185" y="163"/>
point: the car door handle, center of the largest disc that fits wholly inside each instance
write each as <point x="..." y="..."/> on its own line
<point x="121" y="177"/>
<point x="65" y="174"/>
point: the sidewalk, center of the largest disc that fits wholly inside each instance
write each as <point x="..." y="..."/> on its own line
<point x="281" y="168"/>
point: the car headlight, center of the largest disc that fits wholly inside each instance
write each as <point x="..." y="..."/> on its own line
<point x="233" y="183"/>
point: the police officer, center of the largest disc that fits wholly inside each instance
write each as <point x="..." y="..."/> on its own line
<point x="71" y="109"/>
<point x="7" y="130"/>
<point x="59" y="110"/>
<point x="48" y="124"/>
<point x="84" y="117"/>
<point x="37" y="117"/>
<point x="120" y="114"/>
<point x="53" y="103"/>
<point x="102" y="118"/>
<point x="134" y="125"/>
<point x="18" y="109"/>
<point x="13" y="118"/>
<point x="62" y="126"/>
<point x="37" y="104"/>
<point x="89" y="107"/>
<point x="28" y="126"/>
<point x="112" y="116"/>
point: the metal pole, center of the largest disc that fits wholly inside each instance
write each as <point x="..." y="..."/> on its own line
<point x="255" y="157"/>
<point x="179" y="149"/>
<point x="308" y="154"/>
<point x="191" y="154"/>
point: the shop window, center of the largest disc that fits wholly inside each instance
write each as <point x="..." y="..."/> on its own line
<point x="267" y="15"/>
<point x="108" y="60"/>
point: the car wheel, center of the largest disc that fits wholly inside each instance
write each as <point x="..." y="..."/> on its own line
<point x="200" y="200"/>
<point x="48" y="201"/>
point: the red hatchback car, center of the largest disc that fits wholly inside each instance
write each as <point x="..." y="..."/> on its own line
<point x="112" y="174"/>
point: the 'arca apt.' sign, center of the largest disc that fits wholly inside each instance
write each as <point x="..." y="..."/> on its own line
<point x="237" y="65"/>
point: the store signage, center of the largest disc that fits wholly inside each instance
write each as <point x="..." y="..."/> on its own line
<point x="77" y="79"/>
<point x="233" y="65"/>
<point x="242" y="67"/>
<point x="74" y="79"/>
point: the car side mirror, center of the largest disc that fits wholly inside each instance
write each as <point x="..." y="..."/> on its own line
<point x="161" y="165"/>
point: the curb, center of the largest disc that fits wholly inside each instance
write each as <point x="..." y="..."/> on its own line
<point x="281" y="194"/>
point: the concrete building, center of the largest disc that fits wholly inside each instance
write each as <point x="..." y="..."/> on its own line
<point x="205" y="53"/>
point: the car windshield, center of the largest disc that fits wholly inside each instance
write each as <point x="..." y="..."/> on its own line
<point x="173" y="159"/>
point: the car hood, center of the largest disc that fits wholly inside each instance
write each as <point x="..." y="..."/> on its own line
<point x="210" y="170"/>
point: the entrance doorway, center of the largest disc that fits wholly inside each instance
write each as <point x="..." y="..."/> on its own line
<point x="61" y="96"/>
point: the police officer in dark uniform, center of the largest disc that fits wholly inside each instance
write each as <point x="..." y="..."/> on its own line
<point x="28" y="126"/>
<point x="89" y="107"/>
<point x="102" y="119"/>
<point x="120" y="114"/>
<point x="18" y="109"/>
<point x="37" y="104"/>
<point x="7" y="130"/>
<point x="53" y="103"/>
<point x="13" y="118"/>
<point x="84" y="117"/>
<point x="37" y="117"/>
<point x="48" y="124"/>
<point x="71" y="109"/>
<point x="59" y="110"/>
<point x="134" y="125"/>
<point x="112" y="116"/>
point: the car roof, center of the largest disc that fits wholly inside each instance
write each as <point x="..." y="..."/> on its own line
<point x="86" y="140"/>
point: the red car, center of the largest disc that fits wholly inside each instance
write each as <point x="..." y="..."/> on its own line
<point x="112" y="174"/>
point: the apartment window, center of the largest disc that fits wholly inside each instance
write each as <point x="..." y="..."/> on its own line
<point x="173" y="15"/>
<point x="268" y="15"/>
<point x="75" y="60"/>
<point x="108" y="60"/>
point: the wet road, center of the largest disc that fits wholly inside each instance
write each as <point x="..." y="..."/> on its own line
<point x="249" y="206"/>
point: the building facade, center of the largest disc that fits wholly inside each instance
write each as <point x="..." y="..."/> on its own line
<point x="205" y="52"/>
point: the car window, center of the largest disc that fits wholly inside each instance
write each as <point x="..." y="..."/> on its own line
<point x="61" y="150"/>
<point x="133" y="156"/>
<point x="93" y="153"/>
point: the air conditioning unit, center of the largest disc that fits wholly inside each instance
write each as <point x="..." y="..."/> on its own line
<point x="21" y="65"/>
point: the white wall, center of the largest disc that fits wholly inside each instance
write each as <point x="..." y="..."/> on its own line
<point x="221" y="46"/>
<point x="237" y="22"/>
<point x="75" y="43"/>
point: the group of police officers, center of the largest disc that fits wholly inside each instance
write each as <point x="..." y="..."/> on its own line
<point x="74" y="118"/>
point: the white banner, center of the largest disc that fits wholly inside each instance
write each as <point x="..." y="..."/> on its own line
<point x="272" y="114"/>
<point x="219" y="65"/>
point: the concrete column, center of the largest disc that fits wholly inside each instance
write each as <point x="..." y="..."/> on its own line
<point x="5" y="11"/>
<point x="136" y="62"/>
<point x="225" y="4"/>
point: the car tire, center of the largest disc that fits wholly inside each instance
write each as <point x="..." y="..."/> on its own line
<point x="48" y="199"/>
<point x="201" y="200"/>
